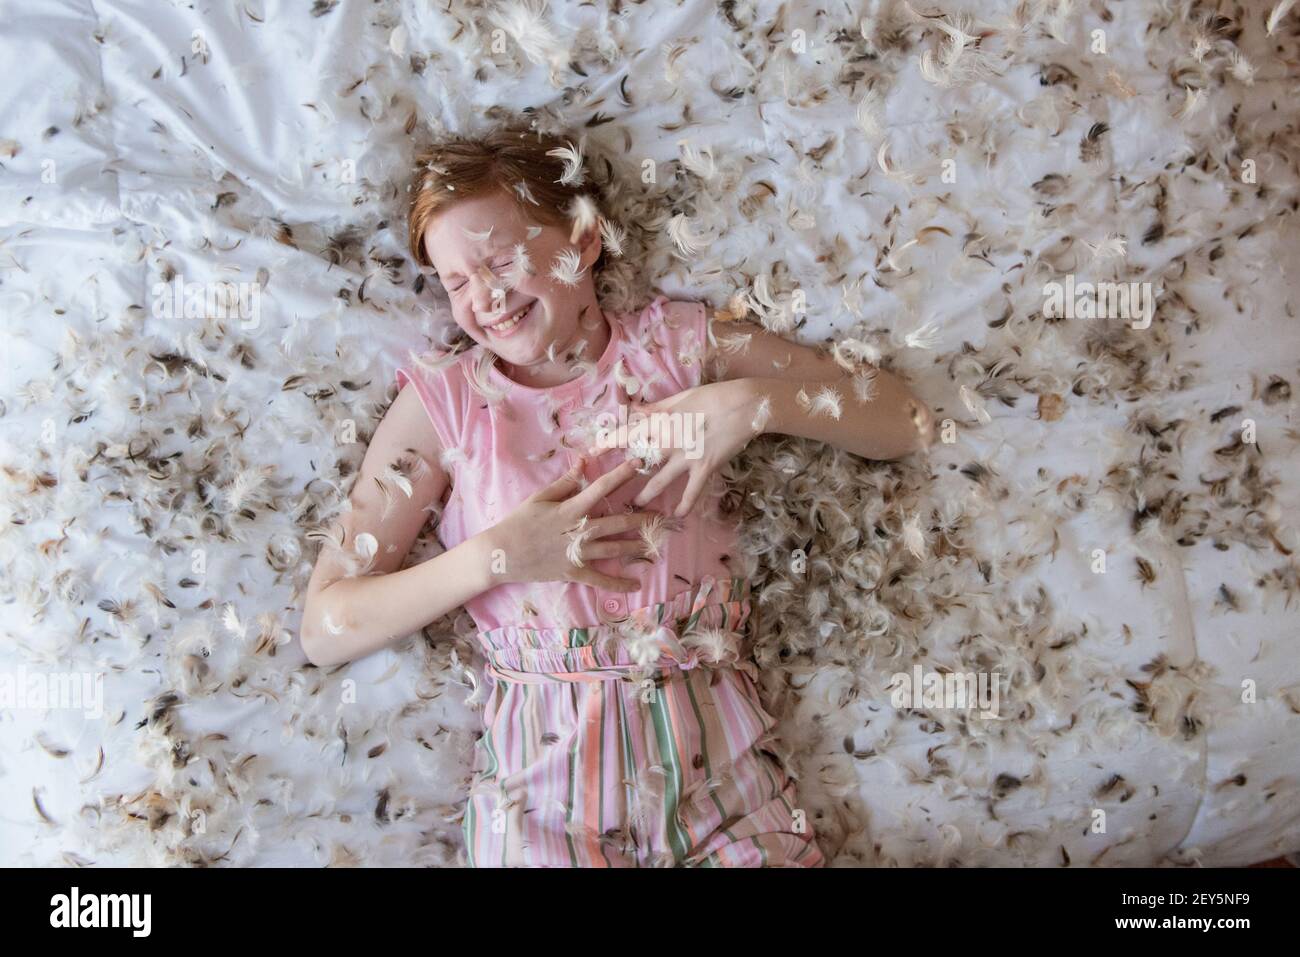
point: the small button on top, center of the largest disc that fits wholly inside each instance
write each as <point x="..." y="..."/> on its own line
<point x="611" y="604"/>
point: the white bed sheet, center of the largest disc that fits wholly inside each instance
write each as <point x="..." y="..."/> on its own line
<point x="164" y="161"/>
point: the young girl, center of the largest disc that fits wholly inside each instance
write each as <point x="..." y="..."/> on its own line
<point x="622" y="722"/>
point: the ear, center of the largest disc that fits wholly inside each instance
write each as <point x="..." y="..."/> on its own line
<point x="590" y="245"/>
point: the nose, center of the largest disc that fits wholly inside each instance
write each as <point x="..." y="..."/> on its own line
<point x="485" y="304"/>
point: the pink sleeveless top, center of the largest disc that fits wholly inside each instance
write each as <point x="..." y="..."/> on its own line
<point x="503" y="451"/>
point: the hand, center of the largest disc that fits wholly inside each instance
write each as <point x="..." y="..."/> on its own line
<point x="548" y="529"/>
<point x="714" y="422"/>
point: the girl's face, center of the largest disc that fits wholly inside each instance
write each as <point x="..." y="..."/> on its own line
<point x="471" y="267"/>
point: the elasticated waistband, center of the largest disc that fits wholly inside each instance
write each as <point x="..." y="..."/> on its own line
<point x="609" y="651"/>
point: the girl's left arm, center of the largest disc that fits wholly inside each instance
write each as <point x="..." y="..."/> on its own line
<point x="871" y="412"/>
<point x="769" y="384"/>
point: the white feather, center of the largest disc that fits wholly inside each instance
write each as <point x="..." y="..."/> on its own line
<point x="688" y="244"/>
<point x="898" y="175"/>
<point x="366" y="545"/>
<point x="913" y="536"/>
<point x="923" y="338"/>
<point x="573" y="174"/>
<point x="583" y="212"/>
<point x="612" y="236"/>
<point x="1278" y="12"/>
<point x="567" y="267"/>
<point x="971" y="399"/>
<point x="868" y="114"/>
<point x="826" y="402"/>
<point x="698" y="162"/>
<point x="576" y="538"/>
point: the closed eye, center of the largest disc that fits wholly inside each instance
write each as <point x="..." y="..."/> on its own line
<point x="462" y="283"/>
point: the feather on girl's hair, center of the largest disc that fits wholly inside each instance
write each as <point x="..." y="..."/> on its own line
<point x="542" y="173"/>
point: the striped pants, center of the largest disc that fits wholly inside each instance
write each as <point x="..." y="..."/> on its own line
<point x="612" y="773"/>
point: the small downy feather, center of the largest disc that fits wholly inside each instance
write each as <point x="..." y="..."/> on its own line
<point x="847" y="353"/>
<point x="645" y="447"/>
<point x="713" y="645"/>
<point x="913" y="536"/>
<point x="612" y="237"/>
<point x="643" y="647"/>
<point x="826" y="402"/>
<point x="868" y="113"/>
<point x="1278" y="12"/>
<point x="584" y="214"/>
<point x="865" y="386"/>
<point x="524" y="193"/>
<point x="497" y="286"/>
<point x="1192" y="103"/>
<point x="408" y="467"/>
<point x="568" y="268"/>
<point x="366" y="546"/>
<point x="923" y="338"/>
<point x="521" y="268"/>
<point x="434" y="362"/>
<point x="699" y="162"/>
<point x="971" y="399"/>
<point x="734" y="344"/>
<point x="573" y="174"/>
<point x="450" y="456"/>
<point x="688" y="244"/>
<point x="527" y="24"/>
<point x="631" y="385"/>
<point x="1112" y="247"/>
<point x="960" y="61"/>
<point x="230" y="619"/>
<point x="245" y="485"/>
<point x="576" y="538"/>
<point x="898" y="175"/>
<point x="479" y="379"/>
<point x="654" y="531"/>
<point x="1241" y="69"/>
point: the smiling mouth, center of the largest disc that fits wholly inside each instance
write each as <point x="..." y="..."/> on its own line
<point x="510" y="322"/>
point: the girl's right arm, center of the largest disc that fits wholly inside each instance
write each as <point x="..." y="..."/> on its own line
<point x="350" y="613"/>
<point x="347" y="617"/>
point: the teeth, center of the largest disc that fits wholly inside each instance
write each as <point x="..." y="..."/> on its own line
<point x="510" y="323"/>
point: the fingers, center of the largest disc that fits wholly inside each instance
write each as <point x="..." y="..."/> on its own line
<point x="614" y="549"/>
<point x="589" y="576"/>
<point x="586" y="500"/>
<point x="562" y="487"/>
<point x="692" y="494"/>
<point x="608" y="525"/>
<point x="666" y="475"/>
